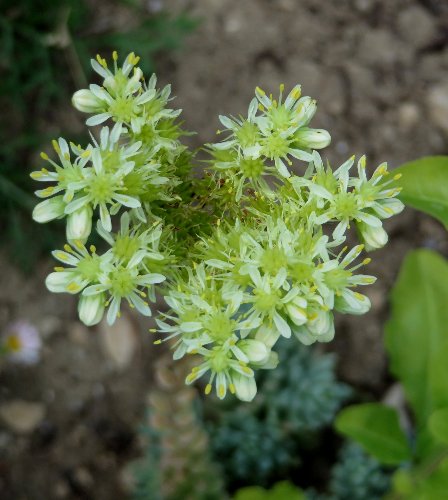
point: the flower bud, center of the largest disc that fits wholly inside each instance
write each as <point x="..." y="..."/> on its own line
<point x="85" y="101"/>
<point x="296" y="311"/>
<point x="311" y="138"/>
<point x="373" y="237"/>
<point x="256" y="351"/>
<point x="48" y="210"/>
<point x="91" y="309"/>
<point x="267" y="335"/>
<point x="245" y="387"/>
<point x="79" y="224"/>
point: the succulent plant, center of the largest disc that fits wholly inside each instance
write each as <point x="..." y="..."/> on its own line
<point x="262" y="442"/>
<point x="177" y="465"/>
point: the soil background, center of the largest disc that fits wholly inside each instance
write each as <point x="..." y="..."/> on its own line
<point x="379" y="70"/>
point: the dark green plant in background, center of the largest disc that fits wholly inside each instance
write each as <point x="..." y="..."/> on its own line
<point x="262" y="442"/>
<point x="42" y="43"/>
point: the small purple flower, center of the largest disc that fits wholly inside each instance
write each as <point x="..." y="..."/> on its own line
<point x="21" y="343"/>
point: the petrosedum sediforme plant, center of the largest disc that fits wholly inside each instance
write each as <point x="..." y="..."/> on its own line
<point x="246" y="253"/>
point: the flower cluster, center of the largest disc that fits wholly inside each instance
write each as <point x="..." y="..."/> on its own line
<point x="250" y="252"/>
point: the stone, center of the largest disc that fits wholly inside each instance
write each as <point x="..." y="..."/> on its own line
<point x="417" y="26"/>
<point x="437" y="102"/>
<point x="22" y="416"/>
<point x="119" y="341"/>
<point x="408" y="115"/>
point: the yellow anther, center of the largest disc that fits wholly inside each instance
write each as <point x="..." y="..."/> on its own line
<point x="190" y="378"/>
<point x="242" y="363"/>
<point x="260" y="91"/>
<point x="56" y="146"/>
<point x="193" y="351"/>
<point x="59" y="269"/>
<point x="115" y="55"/>
<point x="119" y="314"/>
<point x="282" y="87"/>
<point x="85" y="154"/>
<point x="73" y="287"/>
<point x="218" y="222"/>
<point x="68" y="248"/>
<point x="101" y="61"/>
<point x="208" y="389"/>
<point x="153" y="330"/>
<point x="194" y="369"/>
<point x="312" y="316"/>
<point x="218" y="132"/>
<point x="142" y="294"/>
<point x="261" y="107"/>
<point x="274" y="102"/>
<point x="368" y="281"/>
<point x="247" y="370"/>
<point x="397" y="176"/>
<point x="232" y="388"/>
<point x="157" y="342"/>
<point x="366" y="261"/>
<point x="79" y="244"/>
<point x="92" y="249"/>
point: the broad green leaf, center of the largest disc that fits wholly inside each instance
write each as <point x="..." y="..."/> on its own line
<point x="417" y="333"/>
<point x="423" y="483"/>
<point x="438" y="425"/>
<point x="375" y="427"/>
<point x="424" y="184"/>
<point x="280" y="491"/>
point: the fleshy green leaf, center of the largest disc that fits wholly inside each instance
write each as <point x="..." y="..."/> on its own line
<point x="376" y="428"/>
<point x="438" y="425"/>
<point x="417" y="333"/>
<point x="424" y="185"/>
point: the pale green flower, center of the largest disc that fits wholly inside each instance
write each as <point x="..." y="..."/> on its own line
<point x="103" y="182"/>
<point x="125" y="282"/>
<point x="85" y="268"/>
<point x="123" y="97"/>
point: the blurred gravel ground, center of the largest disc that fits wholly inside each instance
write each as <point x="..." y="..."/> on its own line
<point x="379" y="69"/>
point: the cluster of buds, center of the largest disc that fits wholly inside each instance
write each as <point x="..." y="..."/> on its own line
<point x="251" y="252"/>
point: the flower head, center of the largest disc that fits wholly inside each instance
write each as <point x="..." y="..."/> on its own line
<point x="21" y="343"/>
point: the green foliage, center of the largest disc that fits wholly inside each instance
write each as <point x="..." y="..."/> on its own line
<point x="416" y="335"/>
<point x="438" y="425"/>
<point x="42" y="45"/>
<point x="280" y="491"/>
<point x="377" y="429"/>
<point x="424" y="184"/>
<point x="262" y="442"/>
<point x="417" y="344"/>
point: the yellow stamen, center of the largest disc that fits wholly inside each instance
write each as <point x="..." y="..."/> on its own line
<point x="208" y="389"/>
